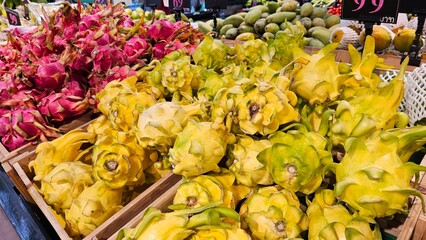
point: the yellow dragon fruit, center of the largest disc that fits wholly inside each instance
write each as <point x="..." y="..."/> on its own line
<point x="118" y="160"/>
<point x="67" y="148"/>
<point x="360" y="79"/>
<point x="192" y="224"/>
<point x="367" y="113"/>
<point x="316" y="76"/>
<point x="243" y="161"/>
<point x="122" y="101"/>
<point x="273" y="213"/>
<point x="158" y="126"/>
<point x="374" y="176"/>
<point x="204" y="189"/>
<point x="251" y="51"/>
<point x="259" y="108"/>
<point x="296" y="159"/>
<point x="199" y="148"/>
<point x="91" y="208"/>
<point x="64" y="183"/>
<point x="100" y="126"/>
<point x="172" y="75"/>
<point x="331" y="221"/>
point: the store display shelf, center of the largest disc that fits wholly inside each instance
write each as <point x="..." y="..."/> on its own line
<point x="109" y="227"/>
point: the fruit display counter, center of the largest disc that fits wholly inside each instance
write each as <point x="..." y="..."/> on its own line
<point x="194" y="137"/>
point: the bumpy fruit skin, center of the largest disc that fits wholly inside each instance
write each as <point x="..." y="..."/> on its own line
<point x="273" y="213"/>
<point x="66" y="148"/>
<point x="199" y="148"/>
<point x="123" y="101"/>
<point x="204" y="189"/>
<point x="328" y="220"/>
<point x="158" y="126"/>
<point x="374" y="175"/>
<point x="316" y="76"/>
<point x="92" y="207"/>
<point x="255" y="108"/>
<point x="221" y="234"/>
<point x="296" y="159"/>
<point x="359" y="118"/>
<point x="118" y="160"/>
<point x="64" y="183"/>
<point x="244" y="164"/>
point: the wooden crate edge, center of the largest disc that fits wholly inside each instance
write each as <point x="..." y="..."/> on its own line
<point x="161" y="203"/>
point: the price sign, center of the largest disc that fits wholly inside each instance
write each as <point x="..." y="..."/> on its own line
<point x="13" y="17"/>
<point x="220" y="4"/>
<point x="384" y="11"/>
<point x="153" y="2"/>
<point x="103" y="2"/>
<point x="179" y="4"/>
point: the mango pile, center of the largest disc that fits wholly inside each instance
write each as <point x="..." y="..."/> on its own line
<point x="288" y="16"/>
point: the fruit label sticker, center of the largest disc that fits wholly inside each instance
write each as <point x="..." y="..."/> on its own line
<point x="220" y="4"/>
<point x="179" y="4"/>
<point x="384" y="11"/>
<point x="13" y="17"/>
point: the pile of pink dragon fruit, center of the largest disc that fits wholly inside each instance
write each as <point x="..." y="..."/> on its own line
<point x="51" y="75"/>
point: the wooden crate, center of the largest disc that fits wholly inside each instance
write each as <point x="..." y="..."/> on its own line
<point x="161" y="203"/>
<point x="109" y="227"/>
<point x="5" y="155"/>
<point x="27" y="150"/>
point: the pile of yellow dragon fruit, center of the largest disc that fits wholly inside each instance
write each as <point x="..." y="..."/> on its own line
<point x="272" y="143"/>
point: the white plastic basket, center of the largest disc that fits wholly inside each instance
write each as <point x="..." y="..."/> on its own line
<point x="415" y="105"/>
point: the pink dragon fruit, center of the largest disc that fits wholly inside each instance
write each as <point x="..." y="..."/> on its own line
<point x="135" y="48"/>
<point x="88" y="22"/>
<point x="52" y="75"/>
<point x="30" y="124"/>
<point x="4" y="121"/>
<point x="161" y="30"/>
<point x="68" y="103"/>
<point x="23" y="99"/>
<point x="163" y="48"/>
<point x="119" y="73"/>
<point x="12" y="141"/>
<point x="105" y="57"/>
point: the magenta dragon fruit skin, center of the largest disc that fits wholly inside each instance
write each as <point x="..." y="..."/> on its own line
<point x="134" y="48"/>
<point x="30" y="124"/>
<point x="60" y="106"/>
<point x="12" y="141"/>
<point x="88" y="22"/>
<point x="50" y="76"/>
<point x="4" y="121"/>
<point x="161" y="30"/>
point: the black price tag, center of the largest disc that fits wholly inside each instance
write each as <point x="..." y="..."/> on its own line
<point x="103" y="2"/>
<point x="153" y="2"/>
<point x="220" y="4"/>
<point x="176" y="4"/>
<point x="384" y="11"/>
<point x="13" y="17"/>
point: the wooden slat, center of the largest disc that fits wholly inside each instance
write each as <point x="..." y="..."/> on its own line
<point x="16" y="180"/>
<point x="416" y="216"/>
<point x="160" y="203"/>
<point x="3" y="152"/>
